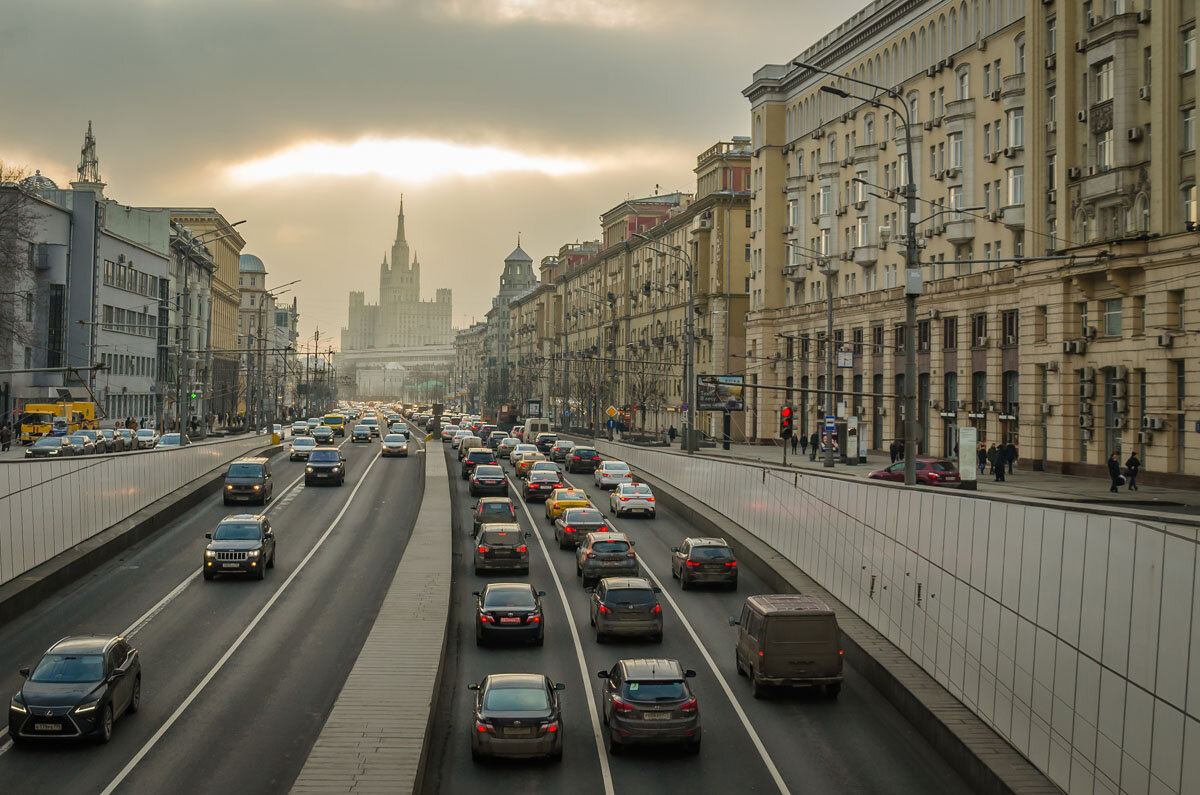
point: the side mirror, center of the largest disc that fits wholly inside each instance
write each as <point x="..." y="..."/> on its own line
<point x="656" y="589"/>
<point x="24" y="672"/>
<point x="734" y="621"/>
<point x="602" y="674"/>
<point x="541" y="593"/>
<point x="208" y="536"/>
<point x="690" y="674"/>
<point x="472" y="687"/>
<point x="474" y="593"/>
<point x="674" y="549"/>
<point x="268" y="534"/>
<point x="115" y="675"/>
<point x="560" y="687"/>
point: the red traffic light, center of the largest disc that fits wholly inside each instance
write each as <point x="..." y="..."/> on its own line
<point x="786" y="411"/>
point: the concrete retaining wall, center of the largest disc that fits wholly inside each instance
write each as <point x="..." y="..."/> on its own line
<point x="1074" y="634"/>
<point x="47" y="507"/>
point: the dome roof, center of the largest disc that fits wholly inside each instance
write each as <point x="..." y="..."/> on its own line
<point x="518" y="255"/>
<point x="248" y="263"/>
<point x="37" y="183"/>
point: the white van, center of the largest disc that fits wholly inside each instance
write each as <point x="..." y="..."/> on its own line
<point x="534" y="426"/>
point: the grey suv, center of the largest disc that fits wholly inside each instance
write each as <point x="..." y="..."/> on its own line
<point x="501" y="547"/>
<point x="249" y="480"/>
<point x="704" y="560"/>
<point x="605" y="555"/>
<point x="626" y="606"/>
<point x="649" y="701"/>
<point x="241" y="544"/>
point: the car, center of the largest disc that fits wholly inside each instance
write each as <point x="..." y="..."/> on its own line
<point x="278" y="430"/>
<point x="612" y="473"/>
<point x="605" y="554"/>
<point x="170" y="441"/>
<point x="518" y="716"/>
<point x="488" y="479"/>
<point x="323" y="434"/>
<point x="393" y="444"/>
<point x="394" y="419"/>
<point x="476" y="456"/>
<point x="147" y="438"/>
<point x="629" y="498"/>
<point x="485" y="432"/>
<point x="574" y="525"/>
<point x="50" y="447"/>
<point x="372" y="423"/>
<point x="505" y="446"/>
<point x="788" y="640"/>
<point x="649" y="701"/>
<point x="361" y="433"/>
<point x="301" y="447"/>
<point x="325" y="466"/>
<point x="509" y="610"/>
<point x="520" y="450"/>
<point x="336" y="422"/>
<point x="299" y="428"/>
<point x="561" y="449"/>
<point x="501" y="547"/>
<point x="540" y="485"/>
<point x="583" y="459"/>
<point x="241" y="544"/>
<point x="543" y="466"/>
<point x="398" y="427"/>
<point x="563" y="498"/>
<point x="545" y="441"/>
<point x="526" y="461"/>
<point x="459" y="435"/>
<point x="99" y="440"/>
<point x="492" y="442"/>
<point x="313" y="422"/>
<point x="493" y="510"/>
<point x="448" y="431"/>
<point x="626" y="606"/>
<point x="930" y="472"/>
<point x="79" y="688"/>
<point x="249" y="480"/>
<point x="704" y="560"/>
<point x="468" y="443"/>
<point x="83" y="444"/>
<point x="131" y="442"/>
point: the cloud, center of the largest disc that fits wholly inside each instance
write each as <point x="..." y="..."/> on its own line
<point x="585" y="13"/>
<point x="412" y="160"/>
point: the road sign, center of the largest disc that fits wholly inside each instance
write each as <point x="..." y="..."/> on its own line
<point x="611" y="411"/>
<point x="612" y="423"/>
<point x="830" y="423"/>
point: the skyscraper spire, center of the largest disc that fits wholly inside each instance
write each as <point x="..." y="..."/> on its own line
<point x="87" y="176"/>
<point x="400" y="222"/>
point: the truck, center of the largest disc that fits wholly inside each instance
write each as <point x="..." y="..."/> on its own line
<point x="54" y="419"/>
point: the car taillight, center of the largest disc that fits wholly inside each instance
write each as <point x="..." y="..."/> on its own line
<point x="657" y="609"/>
<point x="604" y="609"/>
<point x="691" y="563"/>
<point x="568" y="529"/>
<point x="484" y="618"/>
<point x="621" y="706"/>
<point x="576" y="458"/>
<point x="550" y="726"/>
<point x="485" y="549"/>
<point x="480" y="726"/>
<point x="522" y="549"/>
<point x="533" y="619"/>
<point x="630" y="554"/>
<point x="688" y="706"/>
<point x="933" y="476"/>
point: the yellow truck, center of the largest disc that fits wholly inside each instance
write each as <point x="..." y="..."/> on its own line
<point x="54" y="419"/>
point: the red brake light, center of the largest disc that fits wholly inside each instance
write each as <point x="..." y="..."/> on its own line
<point x="657" y="609"/>
<point x="552" y="726"/>
<point x="604" y="609"/>
<point x="522" y="548"/>
<point x="731" y="564"/>
<point x="533" y="619"/>
<point x="480" y="726"/>
<point x="688" y="706"/>
<point x="691" y="563"/>
<point x="485" y="549"/>
<point x="624" y="499"/>
<point x="484" y="618"/>
<point x="574" y="458"/>
<point x="649" y="499"/>
<point x="568" y="529"/>
<point x="621" y="706"/>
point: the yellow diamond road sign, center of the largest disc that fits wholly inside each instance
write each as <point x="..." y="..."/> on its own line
<point x="611" y="411"/>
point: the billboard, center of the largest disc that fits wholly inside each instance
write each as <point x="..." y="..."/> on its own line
<point x="533" y="408"/>
<point x="720" y="393"/>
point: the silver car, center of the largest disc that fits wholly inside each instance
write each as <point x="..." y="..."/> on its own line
<point x="518" y="716"/>
<point x="611" y="474"/>
<point x="501" y="547"/>
<point x="629" y="498"/>
<point x="506" y="446"/>
<point x="626" y="606"/>
<point x="394" y="444"/>
<point x="608" y="554"/>
<point x="649" y="701"/>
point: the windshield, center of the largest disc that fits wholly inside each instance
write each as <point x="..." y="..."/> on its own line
<point x="362" y="428"/>
<point x="304" y="441"/>
<point x="395" y="437"/>
<point x="489" y="471"/>
<point x="236" y="531"/>
<point x="584" y="517"/>
<point x="47" y="442"/>
<point x="606" y="547"/>
<point x="629" y="596"/>
<point x="144" y="433"/>
<point x="245" y="471"/>
<point x="512" y="699"/>
<point x="611" y="466"/>
<point x="711" y="553"/>
<point x="324" y="455"/>
<point x="639" y="489"/>
<point x="68" y="668"/>
<point x="370" y="422"/>
<point x="498" y="508"/>
<point x="36" y="419"/>
<point x="79" y="439"/>
<point x="653" y="691"/>
<point x="334" y="420"/>
<point x="170" y="438"/>
<point x="509" y="597"/>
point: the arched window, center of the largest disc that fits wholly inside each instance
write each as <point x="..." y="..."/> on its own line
<point x="964" y="26"/>
<point x="954" y="45"/>
<point x="869" y="129"/>
<point x="985" y="21"/>
<point x="1019" y="54"/>
<point x="902" y="64"/>
<point x="942" y="36"/>
<point x="758" y="131"/>
<point x="1139" y="220"/>
<point x="962" y="82"/>
<point x="912" y="54"/>
<point x="921" y="62"/>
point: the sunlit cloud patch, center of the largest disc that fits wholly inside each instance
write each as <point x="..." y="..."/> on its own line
<point x="587" y="13"/>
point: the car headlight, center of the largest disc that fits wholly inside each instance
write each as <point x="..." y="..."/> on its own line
<point x="16" y="706"/>
<point x="229" y="487"/>
<point x="335" y="469"/>
<point x="53" y="452"/>
<point x="308" y="469"/>
<point x="88" y="707"/>
<point x="257" y="487"/>
<point x="210" y="553"/>
<point x="253" y="553"/>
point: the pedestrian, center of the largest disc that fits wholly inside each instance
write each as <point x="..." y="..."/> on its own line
<point x="803" y="445"/>
<point x="892" y="451"/>
<point x="991" y="457"/>
<point x="671" y="433"/>
<point x="813" y="442"/>
<point x="5" y="437"/>
<point x="1114" y="472"/>
<point x="795" y="443"/>
<point x="1132" y="465"/>
<point x="981" y="458"/>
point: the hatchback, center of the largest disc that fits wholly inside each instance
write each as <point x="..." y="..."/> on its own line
<point x="575" y="524"/>
<point x="488" y="479"/>
<point x="629" y="498"/>
<point x="649" y="701"/>
<point x="605" y="554"/>
<point x="704" y="560"/>
<point x="518" y="716"/>
<point x="493" y="510"/>
<point x="509" y="611"/>
<point x="583" y="459"/>
<point x="626" y="606"/>
<point x="501" y="547"/>
<point x="930" y="472"/>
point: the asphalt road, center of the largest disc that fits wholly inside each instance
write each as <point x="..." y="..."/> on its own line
<point x="238" y="675"/>
<point x="794" y="743"/>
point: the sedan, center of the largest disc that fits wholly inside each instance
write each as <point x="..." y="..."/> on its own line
<point x="83" y="445"/>
<point x="361" y="433"/>
<point x="494" y="439"/>
<point x="323" y="434"/>
<point x="610" y="474"/>
<point x="509" y="610"/>
<point x="488" y="479"/>
<point x="392" y="444"/>
<point x="147" y="438"/>
<point x="299" y="428"/>
<point x="79" y="688"/>
<point x="583" y="459"/>
<point x="501" y="546"/>
<point x="626" y="606"/>
<point x="170" y="441"/>
<point x="562" y="499"/>
<point x="476" y="456"/>
<point x="574" y="525"/>
<point x="526" y="461"/>
<point x="930" y="472"/>
<point x="632" y="498"/>
<point x="505" y="446"/>
<point x="301" y="447"/>
<point x="517" y="715"/>
<point x="540" y="485"/>
<point x="561" y="449"/>
<point x="448" y="432"/>
<point x="649" y="701"/>
<point x="50" y="447"/>
<point x="116" y="442"/>
<point x="130" y="440"/>
<point x="99" y="440"/>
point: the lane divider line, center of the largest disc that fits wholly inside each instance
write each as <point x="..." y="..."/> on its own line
<point x="605" y="772"/>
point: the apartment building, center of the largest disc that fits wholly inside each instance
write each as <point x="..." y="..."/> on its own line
<point x="1056" y="215"/>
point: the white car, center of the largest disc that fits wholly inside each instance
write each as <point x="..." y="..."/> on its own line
<point x="611" y="474"/>
<point x="278" y="429"/>
<point x="521" y="449"/>
<point x="301" y="447"/>
<point x="459" y="435"/>
<point x="146" y="438"/>
<point x="448" y="432"/>
<point x="632" y="498"/>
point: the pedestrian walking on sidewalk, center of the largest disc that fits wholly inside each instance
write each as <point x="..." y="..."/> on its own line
<point x="795" y="443"/>
<point x="1114" y="472"/>
<point x="803" y="445"/>
<point x="671" y="434"/>
<point x="892" y="451"/>
<point x="1010" y="456"/>
<point x="5" y="437"/>
<point x="814" y="442"/>
<point x="981" y="458"/>
<point x="992" y="456"/>
<point x="1132" y="465"/>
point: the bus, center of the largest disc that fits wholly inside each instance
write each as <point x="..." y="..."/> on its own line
<point x="54" y="419"/>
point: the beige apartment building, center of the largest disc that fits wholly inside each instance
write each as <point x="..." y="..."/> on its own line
<point x="1053" y="156"/>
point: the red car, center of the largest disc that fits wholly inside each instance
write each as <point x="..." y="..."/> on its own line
<point x="930" y="472"/>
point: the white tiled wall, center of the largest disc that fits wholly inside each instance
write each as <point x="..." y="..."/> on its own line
<point x="47" y="507"/>
<point x="1076" y="636"/>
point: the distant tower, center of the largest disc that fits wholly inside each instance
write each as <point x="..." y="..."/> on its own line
<point x="88" y="173"/>
<point x="406" y="278"/>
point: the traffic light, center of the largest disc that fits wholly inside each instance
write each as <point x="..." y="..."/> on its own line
<point x="786" y="415"/>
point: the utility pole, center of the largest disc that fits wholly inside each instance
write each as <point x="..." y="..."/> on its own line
<point x="830" y="282"/>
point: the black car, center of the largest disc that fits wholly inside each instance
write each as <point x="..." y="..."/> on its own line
<point x="488" y="479"/>
<point x="494" y="439"/>
<point x="241" y="544"/>
<point x="583" y="459"/>
<point x="249" y="480"/>
<point x="325" y="466"/>
<point x="116" y="442"/>
<point x="575" y="523"/>
<point x="323" y="434"/>
<point x="541" y="485"/>
<point x="477" y="457"/>
<point x="50" y="447"/>
<point x="83" y="445"/>
<point x="649" y="701"/>
<point x="79" y="688"/>
<point x="704" y="560"/>
<point x="545" y="442"/>
<point x="509" y="610"/>
<point x="493" y="510"/>
<point x="517" y="715"/>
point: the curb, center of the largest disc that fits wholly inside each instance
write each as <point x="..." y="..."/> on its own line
<point x="26" y="591"/>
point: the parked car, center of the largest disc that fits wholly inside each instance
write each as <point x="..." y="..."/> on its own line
<point x="99" y="440"/>
<point x="83" y="444"/>
<point x="605" y="554"/>
<point x="241" y="544"/>
<point x="147" y="438"/>
<point x="517" y="715"/>
<point x="583" y="459"/>
<point x="509" y="611"/>
<point x="51" y="447"/>
<point x="493" y="510"/>
<point x="249" y="480"/>
<point x="325" y="466"/>
<point x="501" y="547"/>
<point x="629" y="498"/>
<point x="301" y="447"/>
<point x="626" y="606"/>
<point x="126" y="434"/>
<point x="574" y="525"/>
<point x="610" y="474"/>
<point x="930" y="472"/>
<point x="788" y="640"/>
<point x="649" y="701"/>
<point x="704" y="560"/>
<point x="170" y="441"/>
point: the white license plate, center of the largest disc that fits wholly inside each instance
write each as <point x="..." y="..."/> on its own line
<point x="658" y="716"/>
<point x="229" y="565"/>
<point x="510" y="621"/>
<point x="47" y="727"/>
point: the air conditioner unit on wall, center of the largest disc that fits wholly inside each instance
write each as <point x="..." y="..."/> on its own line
<point x="1086" y="421"/>
<point x="1144" y="93"/>
<point x="1118" y="422"/>
<point x="1145" y="437"/>
<point x="1086" y="435"/>
<point x="1047" y="409"/>
<point x="1156" y="423"/>
<point x="1166" y="340"/>
<point x="1120" y="372"/>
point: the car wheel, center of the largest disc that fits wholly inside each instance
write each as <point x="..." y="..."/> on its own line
<point x="615" y="746"/>
<point x="693" y="747"/>
<point x="657" y="638"/>
<point x="105" y="732"/>
<point x="831" y="691"/>
<point x="756" y="689"/>
<point x="271" y="561"/>
<point x="683" y="583"/>
<point x="737" y="663"/>
<point x="135" y="700"/>
<point x="260" y="572"/>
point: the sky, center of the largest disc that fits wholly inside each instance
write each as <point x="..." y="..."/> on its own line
<point x="310" y="119"/>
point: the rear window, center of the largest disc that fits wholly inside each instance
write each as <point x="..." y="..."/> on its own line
<point x="653" y="691"/>
<point x="584" y="516"/>
<point x="638" y="489"/>
<point x="489" y="471"/>
<point x="615" y="466"/>
<point x="509" y="597"/>
<point x="629" y="596"/>
<point x="501" y="538"/>
<point x="498" y="508"/>
<point x="513" y="699"/>
<point x="801" y="629"/>
<point x="245" y="471"/>
<point x="585" y="451"/>
<point x="479" y="457"/>
<point x="944" y="466"/>
<point x="711" y="553"/>
<point x="543" y="477"/>
<point x="606" y="547"/>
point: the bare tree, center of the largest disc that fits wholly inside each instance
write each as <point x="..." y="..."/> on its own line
<point x="645" y="381"/>
<point x="17" y="228"/>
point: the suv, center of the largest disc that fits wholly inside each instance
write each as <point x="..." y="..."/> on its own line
<point x="540" y="485"/>
<point x="583" y="459"/>
<point x="361" y="433"/>
<point x="605" y="554"/>
<point x="649" y="701"/>
<point x="574" y="524"/>
<point x="241" y="544"/>
<point x="699" y="560"/>
<point x="325" y="466"/>
<point x="626" y="606"/>
<point x="249" y="480"/>
<point x="493" y="510"/>
<point x="474" y="458"/>
<point x="501" y="546"/>
<point x="788" y="640"/>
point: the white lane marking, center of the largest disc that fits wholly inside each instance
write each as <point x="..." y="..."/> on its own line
<point x="254" y="622"/>
<point x="712" y="664"/>
<point x="605" y="773"/>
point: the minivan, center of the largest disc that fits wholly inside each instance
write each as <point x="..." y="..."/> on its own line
<point x="534" y="426"/>
<point x="249" y="480"/>
<point x="788" y="640"/>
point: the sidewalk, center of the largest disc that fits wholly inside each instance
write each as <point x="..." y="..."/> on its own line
<point x="1023" y="482"/>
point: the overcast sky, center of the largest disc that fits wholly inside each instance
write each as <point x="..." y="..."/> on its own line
<point x="309" y="118"/>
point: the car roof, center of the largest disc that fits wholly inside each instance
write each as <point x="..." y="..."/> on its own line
<point x="659" y="669"/>
<point x="242" y="517"/>
<point x="708" y="542"/>
<point x="83" y="644"/>
<point x="505" y="500"/>
<point x="516" y="680"/>
<point x="788" y="604"/>
<point x="607" y="535"/>
<point x="508" y="586"/>
<point x="250" y="460"/>
<point x="504" y="527"/>
<point x="626" y="582"/>
<point x="542" y="474"/>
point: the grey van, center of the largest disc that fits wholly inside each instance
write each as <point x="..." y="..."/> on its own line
<point x="249" y="480"/>
<point x="788" y="640"/>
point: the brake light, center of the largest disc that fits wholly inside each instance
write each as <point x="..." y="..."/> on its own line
<point x="568" y="529"/>
<point x="480" y="726"/>
<point x="604" y="609"/>
<point x="522" y="548"/>
<point x="649" y="499"/>
<point x="630" y="555"/>
<point x="933" y="476"/>
<point x="552" y="726"/>
<point x="485" y="549"/>
<point x="691" y="563"/>
<point x="731" y="564"/>
<point x="575" y="458"/>
<point x="621" y="706"/>
<point x="484" y="618"/>
<point x="532" y="619"/>
<point x="624" y="499"/>
<point x="657" y="609"/>
<point x="688" y="706"/>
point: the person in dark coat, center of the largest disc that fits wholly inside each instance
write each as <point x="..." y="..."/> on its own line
<point x="892" y="451"/>
<point x="671" y="433"/>
<point x="992" y="456"/>
<point x="5" y="437"/>
<point x="1132" y="465"/>
<point x="795" y="443"/>
<point x="803" y="444"/>
<point x="814" y="442"/>
<point x="1010" y="456"/>
<point x="981" y="458"/>
<point x="1114" y="472"/>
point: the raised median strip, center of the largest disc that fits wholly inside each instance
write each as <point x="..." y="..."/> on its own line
<point x="376" y="737"/>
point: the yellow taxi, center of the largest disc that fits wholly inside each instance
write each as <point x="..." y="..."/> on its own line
<point x="563" y="499"/>
<point x="527" y="461"/>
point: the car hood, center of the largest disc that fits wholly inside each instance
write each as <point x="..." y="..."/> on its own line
<point x="235" y="546"/>
<point x="39" y="452"/>
<point x="57" y="694"/>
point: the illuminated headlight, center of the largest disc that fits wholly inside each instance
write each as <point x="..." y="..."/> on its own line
<point x="16" y="706"/>
<point x="228" y="487"/>
<point x="308" y="469"/>
<point x="253" y="553"/>
<point x="210" y="553"/>
<point x="257" y="487"/>
<point x="334" y="469"/>
<point x="89" y="707"/>
<point x="53" y="452"/>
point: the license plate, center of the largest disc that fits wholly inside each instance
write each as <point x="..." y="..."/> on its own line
<point x="229" y="565"/>
<point x="510" y="621"/>
<point x="658" y="716"/>
<point x="47" y="727"/>
<point x="518" y="732"/>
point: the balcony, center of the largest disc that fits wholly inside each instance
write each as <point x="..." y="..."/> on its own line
<point x="1013" y="85"/>
<point x="866" y="255"/>
<point x="960" y="109"/>
<point x="1013" y="217"/>
<point x="960" y="231"/>
<point x="1009" y="412"/>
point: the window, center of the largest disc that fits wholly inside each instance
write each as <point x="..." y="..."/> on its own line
<point x="1189" y="49"/>
<point x="877" y="340"/>
<point x="950" y="333"/>
<point x="1019" y="55"/>
<point x="826" y="199"/>
<point x="28" y="358"/>
<point x="951" y="391"/>
<point x="956" y="150"/>
<point x="1189" y="207"/>
<point x="1051" y="172"/>
<point x="1009" y="327"/>
<point x="1051" y="36"/>
<point x="1104" y="150"/>
<point x="978" y="330"/>
<point x="914" y="107"/>
<point x="987" y="137"/>
<point x="955" y="196"/>
<point x="962" y="85"/>
<point x="747" y="252"/>
<point x="1104" y="82"/>
<point x="987" y="79"/>
<point x="1052" y="105"/>
<point x="1016" y="127"/>
<point x="1016" y="186"/>
<point x="898" y="335"/>
<point x="1189" y="130"/>
<point x="1112" y="317"/>
<point x="861" y="232"/>
<point x="869" y="130"/>
<point x="1040" y="315"/>
<point x="924" y="335"/>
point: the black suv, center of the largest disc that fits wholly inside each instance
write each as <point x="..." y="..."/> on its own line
<point x="241" y="544"/>
<point x="325" y="466"/>
<point x="474" y="458"/>
<point x="249" y="480"/>
<point x="583" y="459"/>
